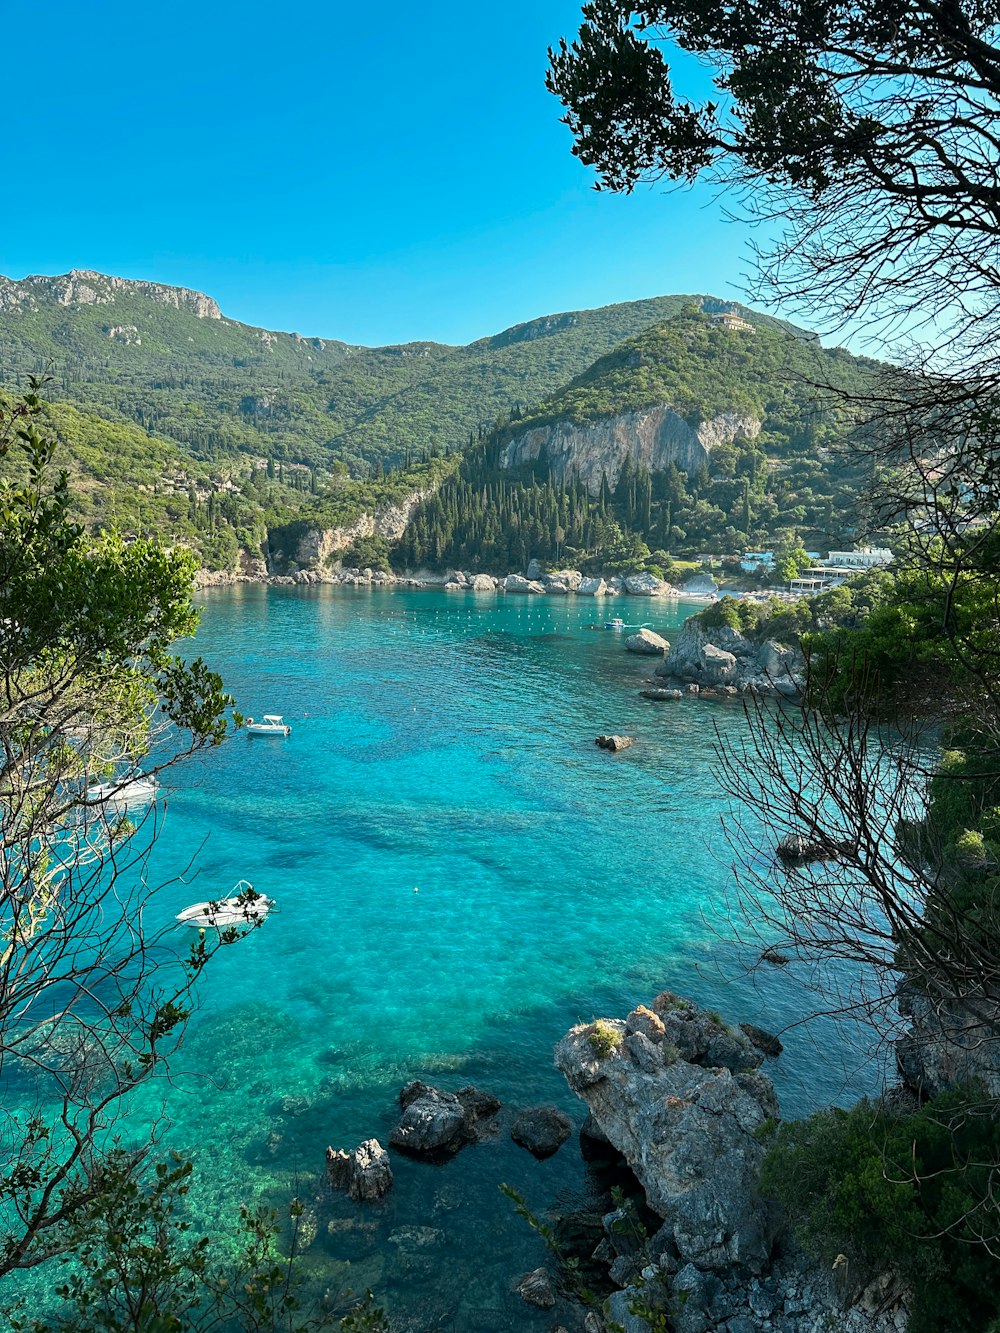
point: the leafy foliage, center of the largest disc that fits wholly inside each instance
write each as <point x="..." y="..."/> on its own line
<point x="907" y="1192"/>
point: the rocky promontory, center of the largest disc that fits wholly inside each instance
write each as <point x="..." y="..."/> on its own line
<point x="718" y="657"/>
<point x="681" y="1094"/>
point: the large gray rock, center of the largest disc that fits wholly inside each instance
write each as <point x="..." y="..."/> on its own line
<point x="434" y="1123"/>
<point x="646" y="641"/>
<point x="685" y="1121"/>
<point x="542" y="1130"/>
<point x="518" y="583"/>
<point x="645" y="585"/>
<point x="700" y="585"/>
<point x="484" y="583"/>
<point x="569" y="578"/>
<point x="589" y="587"/>
<point x="719" y="657"/>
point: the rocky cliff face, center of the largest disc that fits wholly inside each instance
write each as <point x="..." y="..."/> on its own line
<point x="317" y="545"/>
<point x="85" y="287"/>
<point x="680" y="1094"/>
<point x="654" y="436"/>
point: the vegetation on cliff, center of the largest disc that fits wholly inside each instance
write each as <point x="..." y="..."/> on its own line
<point x="796" y="475"/>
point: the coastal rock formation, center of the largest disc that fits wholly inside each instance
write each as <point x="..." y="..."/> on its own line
<point x="317" y="546"/>
<point x="438" y="1124"/>
<point x="795" y="849"/>
<point x="700" y="585"/>
<point x="484" y="583"/>
<point x="364" y="1173"/>
<point x="646" y="585"/>
<point x="592" y="587"/>
<point x="646" y="641"/>
<point x="568" y="580"/>
<point x="678" y="1094"/>
<point x="718" y="656"/>
<point x="654" y="436"/>
<point x="518" y="583"/>
<point x="614" y="743"/>
<point x="537" y="1288"/>
<point x="659" y="695"/>
<point x="542" y="1130"/>
<point x="948" y="1044"/>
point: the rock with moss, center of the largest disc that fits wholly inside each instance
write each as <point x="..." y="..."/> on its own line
<point x="684" y="1105"/>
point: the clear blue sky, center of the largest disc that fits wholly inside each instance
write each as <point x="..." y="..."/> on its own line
<point x="365" y="173"/>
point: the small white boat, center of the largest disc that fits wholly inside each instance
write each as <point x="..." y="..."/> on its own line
<point x="123" y="793"/>
<point x="271" y="724"/>
<point x="617" y="623"/>
<point x="247" y="908"/>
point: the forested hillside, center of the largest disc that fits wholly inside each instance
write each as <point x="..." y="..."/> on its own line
<point x="167" y="360"/>
<point x="795" y="474"/>
<point x="177" y="421"/>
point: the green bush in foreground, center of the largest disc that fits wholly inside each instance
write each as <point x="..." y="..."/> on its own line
<point x="909" y="1193"/>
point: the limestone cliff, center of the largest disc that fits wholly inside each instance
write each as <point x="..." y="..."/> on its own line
<point x="83" y="286"/>
<point x="317" y="545"/>
<point x="654" y="436"/>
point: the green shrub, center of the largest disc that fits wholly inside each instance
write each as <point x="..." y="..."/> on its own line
<point x="604" y="1037"/>
<point x="907" y="1193"/>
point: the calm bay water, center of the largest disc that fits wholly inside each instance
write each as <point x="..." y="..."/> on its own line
<point x="461" y="875"/>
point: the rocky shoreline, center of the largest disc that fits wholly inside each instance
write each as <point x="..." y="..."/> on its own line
<point x="681" y="1110"/>
<point x="535" y="582"/>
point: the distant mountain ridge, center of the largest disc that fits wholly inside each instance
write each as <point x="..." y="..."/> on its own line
<point x="169" y="360"/>
<point x="179" y="420"/>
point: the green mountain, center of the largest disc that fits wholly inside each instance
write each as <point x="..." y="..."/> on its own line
<point x="168" y="360"/>
<point x="690" y="436"/>
<point x="229" y="437"/>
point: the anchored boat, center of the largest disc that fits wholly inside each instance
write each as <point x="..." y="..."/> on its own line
<point x="271" y="724"/>
<point x="247" y="908"/>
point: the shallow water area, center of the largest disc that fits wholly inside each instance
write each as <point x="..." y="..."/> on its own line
<point x="460" y="875"/>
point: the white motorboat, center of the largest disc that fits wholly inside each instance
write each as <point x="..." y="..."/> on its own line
<point x="247" y="908"/>
<point x="123" y="792"/>
<point x="271" y="724"/>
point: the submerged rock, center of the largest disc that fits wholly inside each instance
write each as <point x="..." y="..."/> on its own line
<point x="660" y="695"/>
<point x="542" y="1130"/>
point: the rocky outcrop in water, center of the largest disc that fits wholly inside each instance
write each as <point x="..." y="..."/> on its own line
<point x="541" y="1129"/>
<point x="364" y="1173"/>
<point x="646" y="641"/>
<point x="614" y="743"/>
<point x="654" y="436"/>
<point x="518" y="583"/>
<point x="680" y="1094"/>
<point x="716" y="657"/>
<point x="437" y="1124"/>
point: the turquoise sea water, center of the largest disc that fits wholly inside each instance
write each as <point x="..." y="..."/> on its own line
<point x="461" y="875"/>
